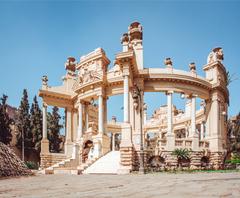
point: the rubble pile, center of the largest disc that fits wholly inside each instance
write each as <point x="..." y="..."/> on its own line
<point x="10" y="164"/>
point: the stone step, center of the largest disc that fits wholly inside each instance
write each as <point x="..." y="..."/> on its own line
<point x="108" y="164"/>
<point x="67" y="171"/>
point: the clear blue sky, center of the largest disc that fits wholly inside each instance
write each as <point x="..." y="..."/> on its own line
<point x="36" y="37"/>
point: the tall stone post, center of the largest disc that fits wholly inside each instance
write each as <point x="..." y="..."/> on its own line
<point x="126" y="141"/>
<point x="202" y="130"/>
<point x="100" y="114"/>
<point x="113" y="141"/>
<point x="86" y="116"/>
<point x="44" y="141"/>
<point x="101" y="141"/>
<point x="68" y="143"/>
<point x="194" y="136"/>
<point x="80" y="122"/>
<point x="105" y="113"/>
<point x="126" y="98"/>
<point x="170" y="134"/>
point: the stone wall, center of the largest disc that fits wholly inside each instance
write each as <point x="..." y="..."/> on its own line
<point x="50" y="159"/>
<point x="215" y="161"/>
<point x="126" y="157"/>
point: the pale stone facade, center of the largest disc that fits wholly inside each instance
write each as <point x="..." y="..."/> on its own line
<point x="203" y="131"/>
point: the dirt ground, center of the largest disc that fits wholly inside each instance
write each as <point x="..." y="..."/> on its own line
<point x="140" y="186"/>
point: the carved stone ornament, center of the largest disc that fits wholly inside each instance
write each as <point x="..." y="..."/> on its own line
<point x="70" y="65"/>
<point x="215" y="55"/>
<point x="192" y="67"/>
<point x="86" y="75"/>
<point x="125" y="38"/>
<point x="168" y="62"/>
<point x="44" y="80"/>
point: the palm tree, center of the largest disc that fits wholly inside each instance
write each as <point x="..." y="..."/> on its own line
<point x="182" y="154"/>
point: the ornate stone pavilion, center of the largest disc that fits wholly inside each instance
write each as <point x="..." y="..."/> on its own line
<point x="91" y="81"/>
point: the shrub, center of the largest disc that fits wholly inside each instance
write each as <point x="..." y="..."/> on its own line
<point x="31" y="165"/>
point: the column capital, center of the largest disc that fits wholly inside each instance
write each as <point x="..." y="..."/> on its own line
<point x="44" y="104"/>
<point x="169" y="92"/>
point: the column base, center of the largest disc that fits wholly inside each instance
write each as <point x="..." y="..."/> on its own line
<point x="44" y="146"/>
<point x="101" y="145"/>
<point x="195" y="143"/>
<point x="215" y="144"/>
<point x="68" y="148"/>
<point x="170" y="142"/>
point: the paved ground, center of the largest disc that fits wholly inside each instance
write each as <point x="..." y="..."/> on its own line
<point x="149" y="186"/>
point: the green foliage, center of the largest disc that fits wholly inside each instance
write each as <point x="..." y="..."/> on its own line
<point x="54" y="128"/>
<point x="36" y="124"/>
<point x="235" y="159"/>
<point x="23" y="123"/>
<point x="5" y="121"/>
<point x="181" y="153"/>
<point x="234" y="131"/>
<point x="31" y="165"/>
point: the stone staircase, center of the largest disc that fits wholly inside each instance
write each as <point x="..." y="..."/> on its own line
<point x="69" y="166"/>
<point x="107" y="164"/>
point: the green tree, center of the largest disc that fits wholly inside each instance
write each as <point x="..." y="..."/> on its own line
<point x="5" y="121"/>
<point x="36" y="124"/>
<point x="234" y="135"/>
<point x="23" y="123"/>
<point x="54" y="128"/>
<point x="182" y="154"/>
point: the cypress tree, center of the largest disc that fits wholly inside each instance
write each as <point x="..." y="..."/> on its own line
<point x="54" y="128"/>
<point x="23" y="123"/>
<point x="5" y="121"/>
<point x="36" y="124"/>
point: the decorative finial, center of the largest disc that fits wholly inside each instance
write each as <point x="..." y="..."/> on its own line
<point x="44" y="81"/>
<point x="135" y="31"/>
<point x="125" y="38"/>
<point x="192" y="67"/>
<point x="168" y="62"/>
<point x="70" y="65"/>
<point x="215" y="55"/>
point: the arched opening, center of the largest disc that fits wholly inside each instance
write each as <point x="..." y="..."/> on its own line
<point x="205" y="161"/>
<point x="156" y="162"/>
<point x="184" y="162"/>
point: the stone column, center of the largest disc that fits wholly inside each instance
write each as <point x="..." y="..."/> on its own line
<point x="44" y="141"/>
<point x="68" y="135"/>
<point x="193" y="116"/>
<point x="69" y="124"/>
<point x="113" y="141"/>
<point x="100" y="114"/>
<point x="126" y="98"/>
<point x="194" y="136"/>
<point x="80" y="122"/>
<point x="202" y="130"/>
<point x="86" y="116"/>
<point x="105" y="114"/>
<point x="44" y="111"/>
<point x="170" y="134"/>
<point x="169" y="113"/>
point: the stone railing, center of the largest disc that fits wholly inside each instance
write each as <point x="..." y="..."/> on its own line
<point x="162" y="143"/>
<point x="183" y="143"/>
<point x="203" y="144"/>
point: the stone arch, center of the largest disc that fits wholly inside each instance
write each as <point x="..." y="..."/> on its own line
<point x="155" y="162"/>
<point x="205" y="161"/>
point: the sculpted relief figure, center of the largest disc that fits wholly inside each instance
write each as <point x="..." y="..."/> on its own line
<point x="215" y="55"/>
<point x="86" y="75"/>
